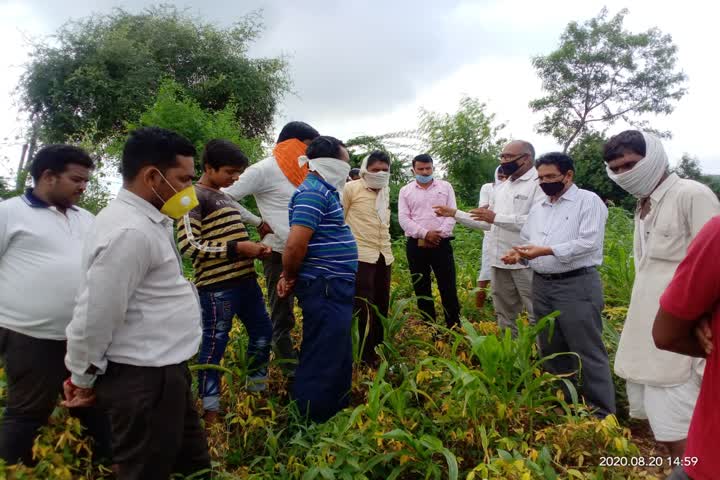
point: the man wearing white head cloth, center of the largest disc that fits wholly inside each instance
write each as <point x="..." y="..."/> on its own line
<point x="367" y="210"/>
<point x="662" y="386"/>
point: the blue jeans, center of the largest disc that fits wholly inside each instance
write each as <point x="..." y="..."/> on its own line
<point x="218" y="310"/>
<point x="324" y="374"/>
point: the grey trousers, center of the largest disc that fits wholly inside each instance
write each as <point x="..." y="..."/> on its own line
<point x="281" y="315"/>
<point x="511" y="294"/>
<point x="578" y="329"/>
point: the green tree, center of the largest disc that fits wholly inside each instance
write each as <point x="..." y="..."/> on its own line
<point x="689" y="167"/>
<point x="101" y="71"/>
<point x="601" y="73"/>
<point x="175" y="109"/>
<point x="591" y="174"/>
<point x="467" y="145"/>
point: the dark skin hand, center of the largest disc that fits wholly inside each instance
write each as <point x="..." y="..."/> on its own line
<point x="295" y="250"/>
<point x="433" y="237"/>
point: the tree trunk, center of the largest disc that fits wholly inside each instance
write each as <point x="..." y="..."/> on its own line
<point x="27" y="156"/>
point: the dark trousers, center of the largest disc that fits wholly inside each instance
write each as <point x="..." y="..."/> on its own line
<point x="324" y="374"/>
<point x="35" y="370"/>
<point x="441" y="261"/>
<point x="372" y="298"/>
<point x="578" y="329"/>
<point x="281" y="315"/>
<point x="218" y="310"/>
<point x="155" y="428"/>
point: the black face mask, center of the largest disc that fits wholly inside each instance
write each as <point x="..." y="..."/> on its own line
<point x="509" y="168"/>
<point x="552" y="188"/>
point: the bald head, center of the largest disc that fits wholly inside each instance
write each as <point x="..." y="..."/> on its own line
<point x="519" y="147"/>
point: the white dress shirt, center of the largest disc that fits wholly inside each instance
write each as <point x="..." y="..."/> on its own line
<point x="511" y="201"/>
<point x="40" y="265"/>
<point x="135" y="306"/>
<point x="573" y="227"/>
<point x="272" y="191"/>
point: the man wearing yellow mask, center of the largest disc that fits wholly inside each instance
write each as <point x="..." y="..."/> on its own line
<point x="272" y="182"/>
<point x="137" y="318"/>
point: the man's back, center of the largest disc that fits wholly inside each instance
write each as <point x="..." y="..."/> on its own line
<point x="332" y="251"/>
<point x="40" y="251"/>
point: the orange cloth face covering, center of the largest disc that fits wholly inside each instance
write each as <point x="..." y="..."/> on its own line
<point x="287" y="153"/>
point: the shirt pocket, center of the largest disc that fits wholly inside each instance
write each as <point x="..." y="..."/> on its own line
<point x="519" y="202"/>
<point x="439" y="198"/>
<point x="667" y="244"/>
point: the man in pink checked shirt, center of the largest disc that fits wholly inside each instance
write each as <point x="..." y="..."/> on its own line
<point x="428" y="239"/>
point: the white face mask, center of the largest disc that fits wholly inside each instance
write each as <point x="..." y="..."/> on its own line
<point x="642" y="180"/>
<point x="376" y="180"/>
<point x="332" y="170"/>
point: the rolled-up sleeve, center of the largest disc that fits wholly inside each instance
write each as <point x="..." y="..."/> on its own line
<point x="114" y="271"/>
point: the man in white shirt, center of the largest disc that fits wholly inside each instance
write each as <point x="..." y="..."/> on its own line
<point x="137" y="319"/>
<point x="273" y="182"/>
<point x="662" y="386"/>
<point x="486" y="194"/>
<point x="41" y="238"/>
<point x="563" y="244"/>
<point x="511" y="202"/>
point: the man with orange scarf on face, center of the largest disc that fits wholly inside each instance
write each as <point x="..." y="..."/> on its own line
<point x="272" y="182"/>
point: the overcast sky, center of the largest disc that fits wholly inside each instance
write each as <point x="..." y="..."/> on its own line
<point x="367" y="67"/>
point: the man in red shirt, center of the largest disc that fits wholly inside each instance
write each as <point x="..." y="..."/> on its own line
<point x="690" y="300"/>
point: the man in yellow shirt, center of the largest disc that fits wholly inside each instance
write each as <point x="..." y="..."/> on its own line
<point x="366" y="202"/>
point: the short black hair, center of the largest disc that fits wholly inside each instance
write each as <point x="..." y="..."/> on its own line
<point x="56" y="158"/>
<point x="628" y="141"/>
<point x="422" y="158"/>
<point x="298" y="130"/>
<point x="354" y="172"/>
<point x="324" y="146"/>
<point x="153" y="146"/>
<point x="223" y="153"/>
<point x="378" y="156"/>
<point x="562" y="161"/>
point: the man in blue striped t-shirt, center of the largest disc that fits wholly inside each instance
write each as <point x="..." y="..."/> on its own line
<point x="319" y="262"/>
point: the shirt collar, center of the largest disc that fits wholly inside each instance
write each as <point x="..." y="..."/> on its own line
<point x="664" y="187"/>
<point x="322" y="180"/>
<point x="432" y="185"/>
<point x="570" y="195"/>
<point x="126" y="196"/>
<point x="32" y="200"/>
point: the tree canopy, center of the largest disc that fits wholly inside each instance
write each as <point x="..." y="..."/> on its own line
<point x="601" y="73"/>
<point x="466" y="144"/>
<point x="103" y="70"/>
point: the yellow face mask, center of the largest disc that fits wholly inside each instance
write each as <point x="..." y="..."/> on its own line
<point x="179" y="204"/>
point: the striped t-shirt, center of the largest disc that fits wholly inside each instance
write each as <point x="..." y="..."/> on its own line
<point x="332" y="251"/>
<point x="210" y="240"/>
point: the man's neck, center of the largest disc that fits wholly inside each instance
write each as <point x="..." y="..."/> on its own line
<point x="426" y="185"/>
<point x="557" y="197"/>
<point x="144" y="194"/>
<point x="205" y="182"/>
<point x="44" y="195"/>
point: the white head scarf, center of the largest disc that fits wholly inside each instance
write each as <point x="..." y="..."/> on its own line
<point x="497" y="180"/>
<point x="378" y="181"/>
<point x="332" y="170"/>
<point x="645" y="176"/>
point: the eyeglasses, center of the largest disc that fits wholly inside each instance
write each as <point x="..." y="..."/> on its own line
<point x="506" y="156"/>
<point x="550" y="178"/>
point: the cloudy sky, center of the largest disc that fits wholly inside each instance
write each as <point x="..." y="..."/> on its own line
<point x="367" y="67"/>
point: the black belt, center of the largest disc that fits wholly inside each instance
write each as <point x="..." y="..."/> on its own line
<point x="570" y="274"/>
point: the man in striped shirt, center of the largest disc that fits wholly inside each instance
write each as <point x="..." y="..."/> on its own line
<point x="319" y="263"/>
<point x="214" y="237"/>
<point x="563" y="238"/>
